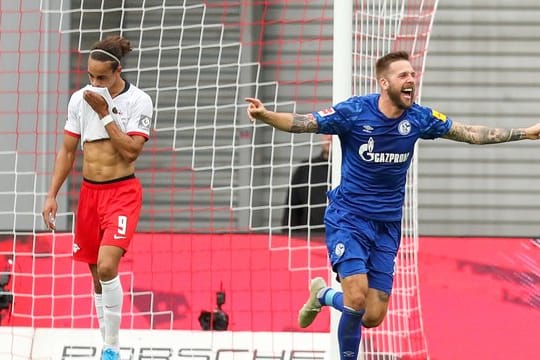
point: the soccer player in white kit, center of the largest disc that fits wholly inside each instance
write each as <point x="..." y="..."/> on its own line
<point x="111" y="119"/>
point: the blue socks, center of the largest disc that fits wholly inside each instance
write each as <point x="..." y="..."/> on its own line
<point x="350" y="324"/>
<point x="331" y="297"/>
<point x="349" y="333"/>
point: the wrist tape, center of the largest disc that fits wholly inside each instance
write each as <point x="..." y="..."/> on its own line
<point x="106" y="120"/>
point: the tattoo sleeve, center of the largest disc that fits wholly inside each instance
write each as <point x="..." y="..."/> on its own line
<point x="303" y="123"/>
<point x="475" y="134"/>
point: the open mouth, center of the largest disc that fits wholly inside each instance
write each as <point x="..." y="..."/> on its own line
<point x="408" y="92"/>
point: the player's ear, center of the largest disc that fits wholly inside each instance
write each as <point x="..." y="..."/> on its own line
<point x="383" y="83"/>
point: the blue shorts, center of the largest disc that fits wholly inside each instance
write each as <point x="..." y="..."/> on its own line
<point x="357" y="245"/>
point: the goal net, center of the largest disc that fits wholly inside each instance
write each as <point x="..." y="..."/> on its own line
<point x="213" y="235"/>
<point x="380" y="27"/>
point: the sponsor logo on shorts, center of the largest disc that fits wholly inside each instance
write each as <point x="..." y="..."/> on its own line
<point x="76" y="248"/>
<point x="118" y="237"/>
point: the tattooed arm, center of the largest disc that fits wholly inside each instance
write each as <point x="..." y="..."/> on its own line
<point x="290" y="122"/>
<point x="480" y="135"/>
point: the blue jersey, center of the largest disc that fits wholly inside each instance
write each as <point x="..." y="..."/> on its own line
<point x="376" y="153"/>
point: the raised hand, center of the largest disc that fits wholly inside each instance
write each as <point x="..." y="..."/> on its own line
<point x="97" y="102"/>
<point x="255" y="108"/>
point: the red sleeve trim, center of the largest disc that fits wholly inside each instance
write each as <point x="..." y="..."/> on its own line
<point x="75" y="135"/>
<point x="139" y="133"/>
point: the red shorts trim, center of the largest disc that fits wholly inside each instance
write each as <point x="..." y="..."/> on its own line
<point x="107" y="214"/>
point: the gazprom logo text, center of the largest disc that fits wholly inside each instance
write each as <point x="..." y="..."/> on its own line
<point x="367" y="154"/>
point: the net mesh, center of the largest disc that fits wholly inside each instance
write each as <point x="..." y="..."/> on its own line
<point x="380" y="27"/>
<point x="214" y="184"/>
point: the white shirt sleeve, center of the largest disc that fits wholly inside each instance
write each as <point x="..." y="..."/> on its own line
<point x="73" y="123"/>
<point x="140" y="115"/>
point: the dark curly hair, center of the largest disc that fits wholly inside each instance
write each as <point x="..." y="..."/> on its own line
<point x="114" y="45"/>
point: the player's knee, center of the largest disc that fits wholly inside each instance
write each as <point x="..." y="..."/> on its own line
<point x="374" y="315"/>
<point x="106" y="271"/>
<point x="356" y="301"/>
<point x="371" y="321"/>
<point x="355" y="291"/>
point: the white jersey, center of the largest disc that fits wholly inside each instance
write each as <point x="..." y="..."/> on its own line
<point x="131" y="111"/>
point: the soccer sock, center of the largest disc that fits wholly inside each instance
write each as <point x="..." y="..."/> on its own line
<point x="98" y="301"/>
<point x="331" y="297"/>
<point x="112" y="310"/>
<point x="349" y="333"/>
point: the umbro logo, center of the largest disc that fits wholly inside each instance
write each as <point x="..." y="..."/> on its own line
<point x="367" y="128"/>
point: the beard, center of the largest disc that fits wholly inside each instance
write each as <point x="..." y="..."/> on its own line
<point x="395" y="97"/>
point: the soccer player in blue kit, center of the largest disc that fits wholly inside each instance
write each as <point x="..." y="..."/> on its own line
<point x="377" y="133"/>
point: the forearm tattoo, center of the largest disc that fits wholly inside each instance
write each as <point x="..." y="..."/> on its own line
<point x="474" y="134"/>
<point x="303" y="123"/>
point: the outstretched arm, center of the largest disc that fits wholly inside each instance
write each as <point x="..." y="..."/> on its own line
<point x="480" y="135"/>
<point x="290" y="122"/>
